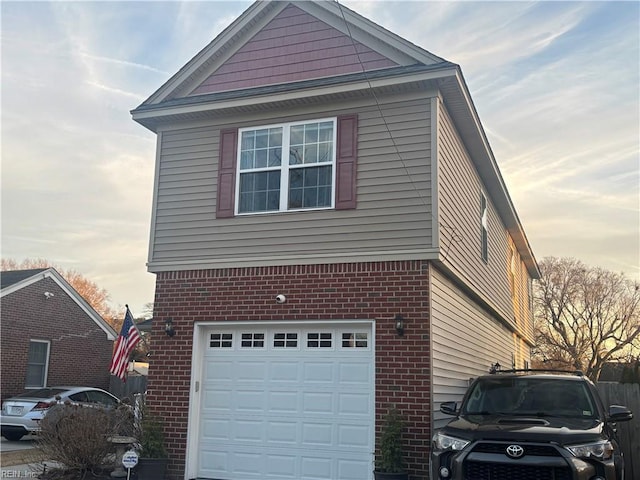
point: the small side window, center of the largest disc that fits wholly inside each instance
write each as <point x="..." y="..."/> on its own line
<point x="484" y="228"/>
<point x="37" y="364"/>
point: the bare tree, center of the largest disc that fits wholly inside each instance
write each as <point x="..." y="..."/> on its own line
<point x="584" y="316"/>
<point x="97" y="297"/>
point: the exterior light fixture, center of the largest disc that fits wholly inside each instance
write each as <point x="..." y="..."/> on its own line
<point x="168" y="328"/>
<point x="399" y="325"/>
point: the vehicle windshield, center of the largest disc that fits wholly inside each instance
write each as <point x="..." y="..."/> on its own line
<point x="42" y="393"/>
<point x="525" y="396"/>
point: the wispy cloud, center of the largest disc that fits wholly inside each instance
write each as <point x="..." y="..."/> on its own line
<point x="555" y="84"/>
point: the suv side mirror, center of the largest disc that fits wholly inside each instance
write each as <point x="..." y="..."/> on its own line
<point x="449" y="408"/>
<point x="618" y="413"/>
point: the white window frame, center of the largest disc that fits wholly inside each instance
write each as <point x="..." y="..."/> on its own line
<point x="285" y="167"/>
<point x="484" y="227"/>
<point x="46" y="364"/>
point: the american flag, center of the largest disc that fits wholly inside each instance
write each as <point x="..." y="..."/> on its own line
<point x="127" y="341"/>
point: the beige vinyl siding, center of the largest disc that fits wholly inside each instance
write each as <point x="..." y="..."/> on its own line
<point x="460" y="190"/>
<point x="392" y="219"/>
<point x="520" y="296"/>
<point x="466" y="341"/>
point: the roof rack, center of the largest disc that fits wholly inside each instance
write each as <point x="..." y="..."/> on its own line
<point x="494" y="370"/>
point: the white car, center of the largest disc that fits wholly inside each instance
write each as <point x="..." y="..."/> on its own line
<point x="21" y="414"/>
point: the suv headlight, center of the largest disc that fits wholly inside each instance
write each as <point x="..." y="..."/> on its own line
<point x="602" y="450"/>
<point x="447" y="442"/>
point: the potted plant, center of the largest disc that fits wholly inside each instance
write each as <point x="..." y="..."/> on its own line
<point x="390" y="460"/>
<point x="153" y="460"/>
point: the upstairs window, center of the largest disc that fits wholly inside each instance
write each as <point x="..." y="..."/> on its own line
<point x="295" y="166"/>
<point x="286" y="167"/>
<point x="484" y="228"/>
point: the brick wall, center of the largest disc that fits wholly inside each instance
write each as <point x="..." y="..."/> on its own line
<point x="378" y="290"/>
<point x="79" y="350"/>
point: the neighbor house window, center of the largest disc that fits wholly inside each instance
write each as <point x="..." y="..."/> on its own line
<point x="286" y="167"/>
<point x="37" y="364"/>
<point x="484" y="228"/>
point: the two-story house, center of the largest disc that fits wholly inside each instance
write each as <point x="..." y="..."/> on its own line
<point x="331" y="238"/>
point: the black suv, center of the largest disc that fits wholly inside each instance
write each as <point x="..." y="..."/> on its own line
<point x="528" y="425"/>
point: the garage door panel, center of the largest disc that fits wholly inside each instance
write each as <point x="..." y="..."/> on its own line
<point x="283" y="402"/>
<point x="316" y="435"/>
<point x="354" y="437"/>
<point x="249" y="401"/>
<point x="317" y="403"/>
<point x="354" y="404"/>
<point x="355" y="373"/>
<point x="284" y="372"/>
<point x="282" y="433"/>
<point x="287" y="406"/>
<point x="319" y="373"/>
<point x="247" y="371"/>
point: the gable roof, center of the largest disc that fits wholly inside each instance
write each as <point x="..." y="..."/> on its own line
<point x="209" y="86"/>
<point x="11" y="277"/>
<point x="271" y="37"/>
<point x="15" y="280"/>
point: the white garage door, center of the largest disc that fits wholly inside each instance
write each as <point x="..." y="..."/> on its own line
<point x="287" y="402"/>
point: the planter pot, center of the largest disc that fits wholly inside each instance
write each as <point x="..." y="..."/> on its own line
<point x="151" y="468"/>
<point x="390" y="476"/>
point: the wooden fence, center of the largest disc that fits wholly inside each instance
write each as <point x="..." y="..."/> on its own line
<point x="627" y="394"/>
<point x="134" y="384"/>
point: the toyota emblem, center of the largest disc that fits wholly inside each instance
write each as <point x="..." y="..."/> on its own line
<point x="515" y="451"/>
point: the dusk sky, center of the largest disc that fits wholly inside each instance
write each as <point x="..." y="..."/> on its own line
<point x="556" y="86"/>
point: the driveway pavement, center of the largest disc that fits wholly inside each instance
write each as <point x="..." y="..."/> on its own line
<point x="19" y="459"/>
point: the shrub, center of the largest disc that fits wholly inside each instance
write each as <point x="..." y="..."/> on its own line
<point x="391" y="458"/>
<point x="76" y="436"/>
<point x="149" y="433"/>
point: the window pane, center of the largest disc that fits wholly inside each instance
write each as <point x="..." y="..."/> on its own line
<point x="275" y="137"/>
<point x="295" y="198"/>
<point x="295" y="178"/>
<point x="248" y="140"/>
<point x="325" y="132"/>
<point x="297" y="135"/>
<point x="273" y="200"/>
<point x="36" y="364"/>
<point x="246" y="160"/>
<point x="261" y="158"/>
<point x="275" y="156"/>
<point x="295" y="155"/>
<point x="262" y="138"/>
<point x="259" y="192"/>
<point x="311" y="133"/>
<point x="35" y="376"/>
<point x="325" y="152"/>
<point x="311" y="154"/>
<point x="37" y="352"/>
<point x="310" y="187"/>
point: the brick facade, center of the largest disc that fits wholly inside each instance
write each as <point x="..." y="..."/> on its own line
<point x="80" y="352"/>
<point x="377" y="291"/>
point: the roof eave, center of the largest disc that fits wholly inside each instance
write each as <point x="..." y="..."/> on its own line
<point x="467" y="121"/>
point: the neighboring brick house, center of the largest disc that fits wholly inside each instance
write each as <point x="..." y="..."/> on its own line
<point x="331" y="237"/>
<point x="50" y="334"/>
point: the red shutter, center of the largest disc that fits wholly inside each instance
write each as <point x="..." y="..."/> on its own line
<point x="347" y="153"/>
<point x="227" y="173"/>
